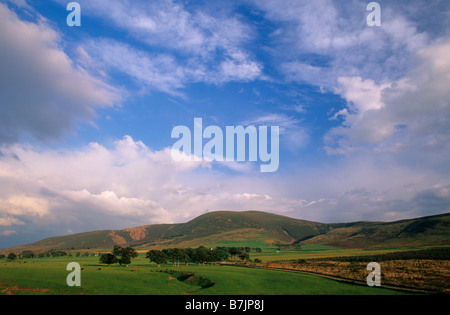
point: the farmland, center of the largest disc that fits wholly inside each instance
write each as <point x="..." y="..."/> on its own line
<point x="47" y="276"/>
<point x="235" y="253"/>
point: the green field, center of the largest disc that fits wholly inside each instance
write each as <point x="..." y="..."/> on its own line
<point x="144" y="278"/>
<point x="323" y="251"/>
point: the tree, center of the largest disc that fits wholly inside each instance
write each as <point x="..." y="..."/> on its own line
<point x="55" y="253"/>
<point x="178" y="254"/>
<point x="12" y="256"/>
<point x="244" y="256"/>
<point x="124" y="255"/>
<point x="108" y="259"/>
<point x="27" y="254"/>
<point x="119" y="255"/>
<point x="234" y="251"/>
<point x="157" y="256"/>
<point x="214" y="256"/>
<point x="201" y="255"/>
<point x="222" y="254"/>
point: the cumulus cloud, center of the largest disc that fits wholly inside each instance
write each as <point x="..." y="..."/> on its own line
<point x="411" y="113"/>
<point x="20" y="205"/>
<point x="127" y="183"/>
<point x="43" y="93"/>
<point x="9" y="221"/>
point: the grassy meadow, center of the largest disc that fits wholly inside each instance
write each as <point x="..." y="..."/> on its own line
<point x="47" y="276"/>
<point x="324" y="251"/>
<point x="418" y="268"/>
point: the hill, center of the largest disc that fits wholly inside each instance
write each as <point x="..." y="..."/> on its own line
<point x="256" y="229"/>
<point x="430" y="230"/>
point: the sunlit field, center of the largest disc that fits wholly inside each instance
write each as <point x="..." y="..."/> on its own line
<point x="47" y="276"/>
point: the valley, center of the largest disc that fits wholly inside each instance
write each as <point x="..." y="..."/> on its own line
<point x="283" y="256"/>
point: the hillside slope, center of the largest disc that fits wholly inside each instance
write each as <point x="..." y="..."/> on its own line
<point x="206" y="229"/>
<point x="252" y="227"/>
<point x="431" y="230"/>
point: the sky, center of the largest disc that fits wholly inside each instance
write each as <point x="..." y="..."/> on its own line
<point x="87" y="112"/>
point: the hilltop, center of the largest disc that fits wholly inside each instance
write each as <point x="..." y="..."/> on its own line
<point x="260" y="229"/>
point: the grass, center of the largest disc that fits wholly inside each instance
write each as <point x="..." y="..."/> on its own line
<point x="323" y="251"/>
<point x="252" y="244"/>
<point x="47" y="276"/>
<point x="231" y="280"/>
<point x="421" y="269"/>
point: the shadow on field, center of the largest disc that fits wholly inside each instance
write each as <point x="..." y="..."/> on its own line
<point x="189" y="278"/>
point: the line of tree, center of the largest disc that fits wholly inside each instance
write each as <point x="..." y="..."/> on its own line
<point x="11" y="256"/>
<point x="288" y="247"/>
<point x="27" y="254"/>
<point x="120" y="255"/>
<point x="197" y="255"/>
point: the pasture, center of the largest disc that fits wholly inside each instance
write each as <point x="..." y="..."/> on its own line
<point x="47" y="276"/>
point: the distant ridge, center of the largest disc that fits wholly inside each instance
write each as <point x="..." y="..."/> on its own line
<point x="255" y="227"/>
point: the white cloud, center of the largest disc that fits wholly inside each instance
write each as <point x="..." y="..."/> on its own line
<point x="292" y="134"/>
<point x="318" y="41"/>
<point x="412" y="113"/>
<point x="108" y="203"/>
<point x="160" y="72"/>
<point x="122" y="185"/>
<point x="20" y="205"/>
<point x="44" y="94"/>
<point x="364" y="95"/>
<point x="167" y="23"/>
<point x="239" y="67"/>
<point x="127" y="184"/>
<point x="166" y="73"/>
<point x="10" y="221"/>
<point x="192" y="45"/>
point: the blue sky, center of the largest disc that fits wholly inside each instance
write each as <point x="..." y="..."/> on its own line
<point x="86" y="113"/>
